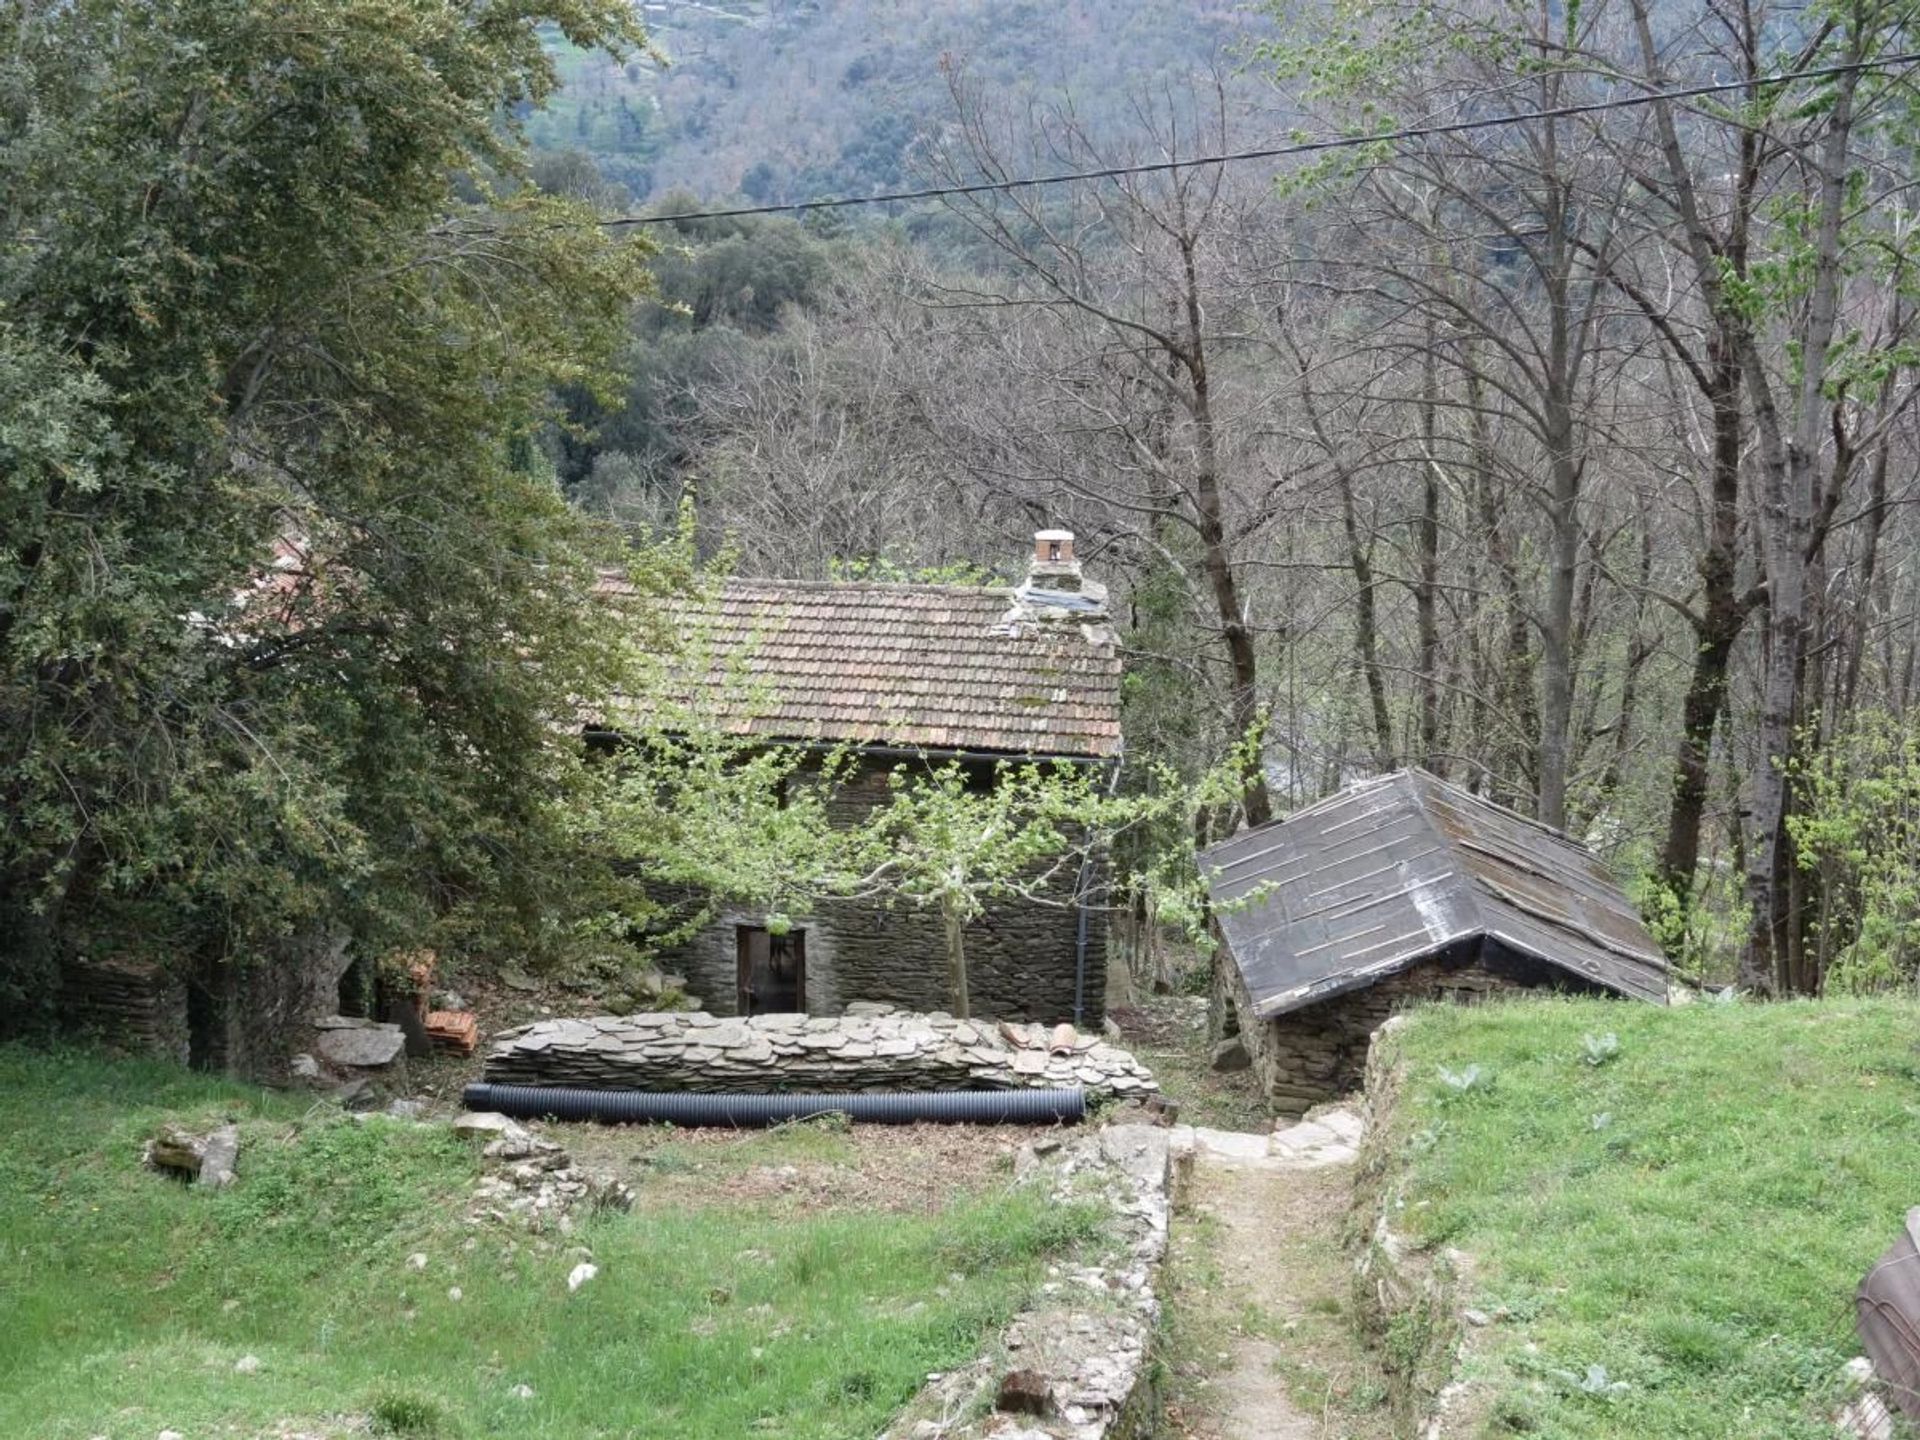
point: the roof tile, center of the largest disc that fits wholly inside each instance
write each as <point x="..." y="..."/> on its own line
<point x="909" y="665"/>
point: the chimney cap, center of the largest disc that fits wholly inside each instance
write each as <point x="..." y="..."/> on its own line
<point x="1053" y="548"/>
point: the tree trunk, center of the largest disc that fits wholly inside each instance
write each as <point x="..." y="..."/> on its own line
<point x="1210" y="512"/>
<point x="1511" y="683"/>
<point x="1427" y="591"/>
<point x="956" y="962"/>
<point x="1786" y="509"/>
<point x="1367" y="627"/>
<point x="1640" y="647"/>
<point x="1721" y="618"/>
<point x="1563" y="545"/>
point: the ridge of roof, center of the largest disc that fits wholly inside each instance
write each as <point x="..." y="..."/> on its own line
<point x="999" y="589"/>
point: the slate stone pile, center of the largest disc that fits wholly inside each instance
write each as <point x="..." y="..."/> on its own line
<point x="887" y="1050"/>
<point x="534" y="1179"/>
<point x="133" y="1006"/>
<point x="356" y="1044"/>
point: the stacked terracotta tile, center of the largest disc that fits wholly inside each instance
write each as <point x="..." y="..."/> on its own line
<point x="457" y="1031"/>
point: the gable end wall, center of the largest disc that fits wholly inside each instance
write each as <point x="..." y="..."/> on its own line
<point x="1020" y="953"/>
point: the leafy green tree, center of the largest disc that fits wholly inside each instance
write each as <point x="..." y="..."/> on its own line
<point x="956" y="841"/>
<point x="688" y="806"/>
<point x="684" y="805"/>
<point x="1856" y="834"/>
<point x="721" y="286"/>
<point x="292" y="620"/>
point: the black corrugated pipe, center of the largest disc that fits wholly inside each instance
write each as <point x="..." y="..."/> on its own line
<point x="680" y="1107"/>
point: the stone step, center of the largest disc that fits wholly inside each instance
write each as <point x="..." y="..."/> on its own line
<point x="1331" y="1138"/>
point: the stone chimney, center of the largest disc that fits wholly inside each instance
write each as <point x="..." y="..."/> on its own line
<point x="1055" y="589"/>
<point x="1054" y="567"/>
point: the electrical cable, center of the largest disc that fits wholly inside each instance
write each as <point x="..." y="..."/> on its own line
<point x="1274" y="152"/>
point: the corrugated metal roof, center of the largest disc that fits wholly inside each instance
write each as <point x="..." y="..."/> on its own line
<point x="1390" y="872"/>
<point x="946" y="667"/>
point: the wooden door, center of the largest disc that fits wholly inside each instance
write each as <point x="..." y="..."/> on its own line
<point x="773" y="971"/>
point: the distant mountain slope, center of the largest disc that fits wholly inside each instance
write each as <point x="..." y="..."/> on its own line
<point x="785" y="99"/>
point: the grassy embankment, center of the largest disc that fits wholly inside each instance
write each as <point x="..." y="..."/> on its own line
<point x="1689" y="1212"/>
<point x="127" y="1300"/>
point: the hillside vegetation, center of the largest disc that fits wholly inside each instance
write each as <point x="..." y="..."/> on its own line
<point x="1666" y="1232"/>
<point x="787" y="101"/>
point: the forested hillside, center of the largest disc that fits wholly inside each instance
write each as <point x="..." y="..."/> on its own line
<point x="788" y="99"/>
<point x="1570" y="457"/>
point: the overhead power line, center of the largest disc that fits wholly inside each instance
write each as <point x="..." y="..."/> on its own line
<point x="1278" y="152"/>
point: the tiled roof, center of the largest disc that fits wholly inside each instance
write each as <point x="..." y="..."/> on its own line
<point x="1388" y="873"/>
<point x="936" y="666"/>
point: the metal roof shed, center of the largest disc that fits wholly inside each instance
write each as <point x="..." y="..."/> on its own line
<point x="1406" y="868"/>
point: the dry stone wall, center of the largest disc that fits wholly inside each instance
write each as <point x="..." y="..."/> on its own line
<point x="1076" y="1364"/>
<point x="1319" y="1054"/>
<point x="131" y="1005"/>
<point x="244" y="1017"/>
<point x="873" y="1049"/>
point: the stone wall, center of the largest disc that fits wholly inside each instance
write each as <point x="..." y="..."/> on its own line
<point x="1318" y="1054"/>
<point x="243" y="1018"/>
<point x="677" y="1051"/>
<point x="248" y="1017"/>
<point x="1021" y="954"/>
<point x="1080" y="1354"/>
<point x="133" y="1006"/>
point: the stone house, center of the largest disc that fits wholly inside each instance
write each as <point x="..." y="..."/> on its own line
<point x="973" y="673"/>
<point x="1395" y="891"/>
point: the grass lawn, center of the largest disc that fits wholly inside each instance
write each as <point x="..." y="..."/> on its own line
<point x="127" y="1299"/>
<point x="1692" y="1213"/>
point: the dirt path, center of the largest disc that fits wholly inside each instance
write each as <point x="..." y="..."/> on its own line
<point x="1262" y="1349"/>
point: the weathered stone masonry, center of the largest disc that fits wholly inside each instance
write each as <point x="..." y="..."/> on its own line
<point x="1309" y="1057"/>
<point x="1021" y="954"/>
<point x="835" y="1054"/>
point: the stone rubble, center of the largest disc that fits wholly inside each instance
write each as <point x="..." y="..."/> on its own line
<point x="206" y="1159"/>
<point x="534" y="1181"/>
<point x="1866" y="1415"/>
<point x="1079" y="1355"/>
<point x="866" y="1049"/>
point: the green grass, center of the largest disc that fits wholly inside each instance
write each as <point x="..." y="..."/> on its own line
<point x="1169" y="1035"/>
<point x="1692" y="1213"/>
<point x="126" y="1298"/>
